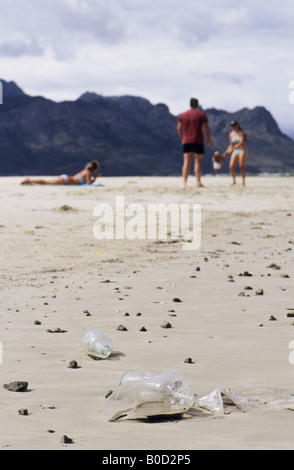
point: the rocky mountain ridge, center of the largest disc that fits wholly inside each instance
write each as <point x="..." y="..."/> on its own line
<point x="127" y="134"/>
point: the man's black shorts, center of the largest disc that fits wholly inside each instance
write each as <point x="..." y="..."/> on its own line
<point x="195" y="148"/>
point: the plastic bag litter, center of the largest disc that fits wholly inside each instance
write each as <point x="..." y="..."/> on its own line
<point x="215" y="401"/>
<point x="142" y="395"/>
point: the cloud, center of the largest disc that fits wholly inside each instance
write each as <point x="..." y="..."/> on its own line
<point x="17" y="48"/>
<point x="230" y="55"/>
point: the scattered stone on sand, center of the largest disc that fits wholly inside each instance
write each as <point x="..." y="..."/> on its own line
<point x="143" y="328"/>
<point x="241" y="294"/>
<point x="66" y="208"/>
<point x="246" y="274"/>
<point x="16" y="386"/>
<point x="138" y="314"/>
<point x="272" y="318"/>
<point x="110" y="392"/>
<point x="259" y="292"/>
<point x="88" y="314"/>
<point x="57" y="330"/>
<point x="37" y="322"/>
<point x="285" y="276"/>
<point x="127" y="314"/>
<point x="290" y="314"/>
<point x="176" y="299"/>
<point x="72" y="365"/>
<point x="166" y="324"/>
<point x="248" y="288"/>
<point x="122" y="328"/>
<point x="274" y="266"/>
<point x="23" y="412"/>
<point x="189" y="360"/>
<point x="66" y="440"/>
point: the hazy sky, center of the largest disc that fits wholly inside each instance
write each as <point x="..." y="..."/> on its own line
<point x="227" y="53"/>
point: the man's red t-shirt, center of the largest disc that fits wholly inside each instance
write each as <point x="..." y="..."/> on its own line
<point x="192" y="121"/>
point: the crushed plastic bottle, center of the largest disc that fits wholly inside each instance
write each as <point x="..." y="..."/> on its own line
<point x="96" y="344"/>
<point x="143" y="394"/>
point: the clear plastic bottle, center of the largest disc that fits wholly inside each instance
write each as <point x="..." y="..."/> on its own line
<point x="143" y="394"/>
<point x="135" y="375"/>
<point x="96" y="343"/>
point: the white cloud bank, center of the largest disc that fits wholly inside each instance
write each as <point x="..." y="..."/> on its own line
<point x="229" y="55"/>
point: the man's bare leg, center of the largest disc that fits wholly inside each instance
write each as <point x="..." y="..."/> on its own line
<point x="198" y="169"/>
<point x="186" y="168"/>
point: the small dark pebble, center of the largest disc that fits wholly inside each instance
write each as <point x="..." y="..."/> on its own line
<point x="72" y="365"/>
<point x="290" y="315"/>
<point x="274" y="266"/>
<point x="166" y="324"/>
<point x="138" y="314"/>
<point x="51" y="431"/>
<point x="197" y="269"/>
<point x="285" y="276"/>
<point x="16" y="386"/>
<point x="143" y="328"/>
<point x="66" y="440"/>
<point x="127" y="314"/>
<point x="122" y="328"/>
<point x="248" y="288"/>
<point x="57" y="330"/>
<point x="246" y="274"/>
<point x="110" y="392"/>
<point x="37" y="322"/>
<point x="188" y="360"/>
<point x="23" y="412"/>
<point x="259" y="292"/>
<point x="176" y="299"/>
<point x="88" y="314"/>
<point x="272" y="318"/>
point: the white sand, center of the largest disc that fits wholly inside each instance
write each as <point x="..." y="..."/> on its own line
<point x="52" y="269"/>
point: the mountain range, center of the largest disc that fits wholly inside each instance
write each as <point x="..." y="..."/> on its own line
<point x="128" y="135"/>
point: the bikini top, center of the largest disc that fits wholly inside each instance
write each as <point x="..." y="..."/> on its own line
<point x="236" y="139"/>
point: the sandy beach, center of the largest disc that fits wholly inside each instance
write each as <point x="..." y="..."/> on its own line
<point x="57" y="280"/>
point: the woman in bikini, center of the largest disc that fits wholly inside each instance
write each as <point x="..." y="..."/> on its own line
<point x="238" y="150"/>
<point x="86" y="176"/>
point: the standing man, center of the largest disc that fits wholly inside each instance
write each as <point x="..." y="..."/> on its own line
<point x="190" y="126"/>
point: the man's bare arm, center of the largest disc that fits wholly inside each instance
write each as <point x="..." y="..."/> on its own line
<point x="180" y="130"/>
<point x="207" y="134"/>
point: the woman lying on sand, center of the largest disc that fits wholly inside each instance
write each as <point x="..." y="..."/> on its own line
<point x="86" y="176"/>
